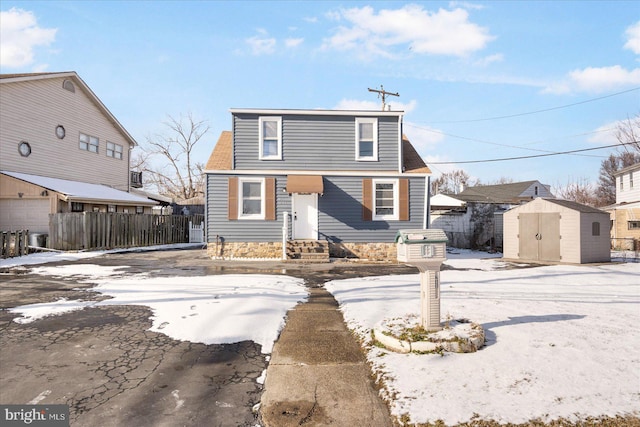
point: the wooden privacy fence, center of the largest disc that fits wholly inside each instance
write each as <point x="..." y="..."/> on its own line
<point x="14" y="243"/>
<point x="104" y="230"/>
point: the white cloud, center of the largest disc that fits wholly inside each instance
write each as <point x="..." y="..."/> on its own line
<point x="606" y="134"/>
<point x="445" y="32"/>
<point x="423" y="138"/>
<point x="465" y="5"/>
<point x="262" y="45"/>
<point x="593" y="79"/>
<point x="19" y="35"/>
<point x="596" y="80"/>
<point x="633" y="38"/>
<point x="487" y="60"/>
<point x="290" y="43"/>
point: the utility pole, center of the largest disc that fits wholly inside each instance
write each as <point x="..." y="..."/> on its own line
<point x="382" y="94"/>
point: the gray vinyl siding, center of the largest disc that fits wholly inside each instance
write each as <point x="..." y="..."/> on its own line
<point x="218" y="224"/>
<point x="314" y="143"/>
<point x="339" y="213"/>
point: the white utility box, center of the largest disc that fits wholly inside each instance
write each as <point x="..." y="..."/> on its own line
<point x="427" y="250"/>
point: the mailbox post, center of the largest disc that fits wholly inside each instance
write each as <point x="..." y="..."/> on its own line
<point x="426" y="250"/>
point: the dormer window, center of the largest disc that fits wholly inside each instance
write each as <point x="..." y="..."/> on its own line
<point x="270" y="138"/>
<point x="68" y="85"/>
<point x="366" y="139"/>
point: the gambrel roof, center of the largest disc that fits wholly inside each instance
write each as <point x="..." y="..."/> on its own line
<point x="221" y="156"/>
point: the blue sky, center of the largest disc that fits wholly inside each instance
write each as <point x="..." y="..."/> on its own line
<point x="459" y="67"/>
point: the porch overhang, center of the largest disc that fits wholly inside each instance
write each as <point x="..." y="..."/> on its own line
<point x="305" y="184"/>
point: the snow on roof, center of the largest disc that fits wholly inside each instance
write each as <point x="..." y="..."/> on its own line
<point x="76" y="190"/>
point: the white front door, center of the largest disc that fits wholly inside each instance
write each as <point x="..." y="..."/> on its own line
<point x="305" y="216"/>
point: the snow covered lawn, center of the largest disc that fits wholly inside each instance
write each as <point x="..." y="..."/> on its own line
<point x="206" y="309"/>
<point x="562" y="341"/>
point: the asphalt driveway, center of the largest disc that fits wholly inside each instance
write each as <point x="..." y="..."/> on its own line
<point x="111" y="370"/>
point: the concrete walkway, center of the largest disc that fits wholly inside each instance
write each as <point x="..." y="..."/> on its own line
<point x="318" y="374"/>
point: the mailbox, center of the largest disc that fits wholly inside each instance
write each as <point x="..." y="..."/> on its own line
<point x="422" y="247"/>
<point x="426" y="250"/>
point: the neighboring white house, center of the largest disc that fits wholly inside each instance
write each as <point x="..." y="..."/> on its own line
<point x="473" y="217"/>
<point x="625" y="214"/>
<point x="556" y="231"/>
<point x="62" y="151"/>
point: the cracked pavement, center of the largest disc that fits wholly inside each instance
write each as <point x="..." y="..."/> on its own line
<point x="111" y="370"/>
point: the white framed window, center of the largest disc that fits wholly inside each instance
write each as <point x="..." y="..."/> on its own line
<point x="77" y="207"/>
<point x="251" y="198"/>
<point x="111" y="208"/>
<point x="270" y="138"/>
<point x="89" y="143"/>
<point x="631" y="180"/>
<point x="366" y="139"/>
<point x="385" y="199"/>
<point x="114" y="150"/>
<point x="139" y="209"/>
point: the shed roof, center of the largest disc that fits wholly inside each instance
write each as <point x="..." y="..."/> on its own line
<point x="575" y="206"/>
<point x="82" y="191"/>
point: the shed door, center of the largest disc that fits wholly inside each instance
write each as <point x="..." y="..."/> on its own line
<point x="539" y="236"/>
<point x="549" y="237"/>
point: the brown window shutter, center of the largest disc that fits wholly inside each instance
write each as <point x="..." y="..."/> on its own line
<point x="233" y="199"/>
<point x="270" y="199"/>
<point x="404" y="199"/>
<point x="367" y="200"/>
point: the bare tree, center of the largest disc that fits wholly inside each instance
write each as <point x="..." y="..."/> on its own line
<point x="628" y="133"/>
<point x="580" y="190"/>
<point x="169" y="163"/>
<point x="450" y="182"/>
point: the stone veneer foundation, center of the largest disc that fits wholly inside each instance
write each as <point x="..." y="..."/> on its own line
<point x="378" y="252"/>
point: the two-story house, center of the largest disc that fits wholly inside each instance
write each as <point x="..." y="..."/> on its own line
<point x="61" y="150"/>
<point x="346" y="179"/>
<point x="625" y="214"/>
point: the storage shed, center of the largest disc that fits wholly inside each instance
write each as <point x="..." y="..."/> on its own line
<point x="551" y="230"/>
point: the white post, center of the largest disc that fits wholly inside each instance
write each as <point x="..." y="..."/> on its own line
<point x="285" y="234"/>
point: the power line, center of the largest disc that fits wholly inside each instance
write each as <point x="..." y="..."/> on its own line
<point x="504" y="145"/>
<point x="539" y="111"/>
<point x="536" y="155"/>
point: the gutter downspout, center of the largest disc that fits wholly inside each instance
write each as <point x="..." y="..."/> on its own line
<point x="427" y="193"/>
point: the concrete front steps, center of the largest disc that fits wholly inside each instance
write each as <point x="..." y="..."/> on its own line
<point x="308" y="250"/>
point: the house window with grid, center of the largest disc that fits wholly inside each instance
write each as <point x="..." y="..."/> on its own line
<point x="114" y="150"/>
<point x="139" y="209"/>
<point x="251" y="199"/>
<point x="385" y="200"/>
<point x="89" y="143"/>
<point x="111" y="208"/>
<point x="367" y="139"/>
<point x="633" y="225"/>
<point x="77" y="207"/>
<point x="270" y="138"/>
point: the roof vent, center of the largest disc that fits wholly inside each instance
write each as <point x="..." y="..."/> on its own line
<point x="68" y="85"/>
